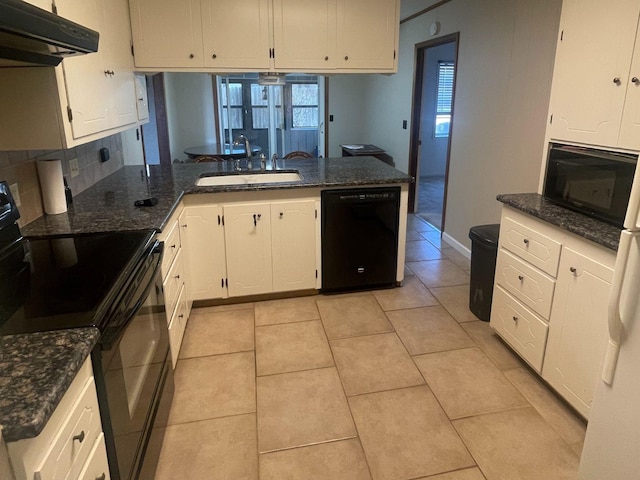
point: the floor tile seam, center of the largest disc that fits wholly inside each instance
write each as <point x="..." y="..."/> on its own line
<point x="355" y="395"/>
<point x="526" y="404"/>
<point x="485" y="350"/>
<point x="201" y="314"/>
<point x="462" y="469"/>
<point x="364" y="334"/>
<point x="288" y="323"/>
<point x="312" y="444"/>
<point x="475" y="415"/>
<point x="255" y="391"/>
<point x="444" y="351"/>
<point x="207" y="419"/>
<point x="265" y="375"/>
<point x="219" y="354"/>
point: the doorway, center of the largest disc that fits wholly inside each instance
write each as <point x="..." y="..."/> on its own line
<point x="431" y="127"/>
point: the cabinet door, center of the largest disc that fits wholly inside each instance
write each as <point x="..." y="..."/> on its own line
<point x="577" y="328"/>
<point x="304" y="34"/>
<point x="594" y="49"/>
<point x="204" y="252"/>
<point x="167" y="33"/>
<point x="247" y="234"/>
<point x="293" y="240"/>
<point x="85" y="76"/>
<point x="236" y="34"/>
<point x="367" y="31"/>
<point x="142" y="98"/>
<point x="630" y="128"/>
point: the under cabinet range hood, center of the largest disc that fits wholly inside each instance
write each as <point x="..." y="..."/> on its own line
<point x="31" y="36"/>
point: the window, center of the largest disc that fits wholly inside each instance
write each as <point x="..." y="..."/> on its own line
<point x="260" y="105"/>
<point x="304" y="105"/>
<point x="444" y="98"/>
<point x="235" y="106"/>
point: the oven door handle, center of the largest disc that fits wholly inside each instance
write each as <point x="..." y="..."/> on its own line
<point x="113" y="332"/>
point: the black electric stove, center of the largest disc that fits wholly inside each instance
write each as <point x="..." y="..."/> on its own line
<point x="61" y="282"/>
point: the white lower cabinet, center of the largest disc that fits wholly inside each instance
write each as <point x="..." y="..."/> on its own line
<point x="551" y="307"/>
<point x="71" y="442"/>
<point x="251" y="248"/>
<point x="578" y="328"/>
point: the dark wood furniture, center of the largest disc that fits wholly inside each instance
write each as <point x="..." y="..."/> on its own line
<point x="213" y="150"/>
<point x="297" y="154"/>
<point x="351" y="150"/>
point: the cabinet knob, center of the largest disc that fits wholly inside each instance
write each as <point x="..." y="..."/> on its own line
<point x="184" y="225"/>
<point x="526" y="241"/>
<point x="214" y="56"/>
<point x="141" y="99"/>
<point x="281" y="214"/>
<point x="636" y="80"/>
<point x="616" y="80"/>
<point x="515" y="319"/>
<point x="346" y="57"/>
<point x="181" y="316"/>
<point x="520" y="277"/>
<point x="102" y="477"/>
<point x="256" y="218"/>
<point x="79" y="437"/>
<point x="326" y="58"/>
<point x="573" y="270"/>
<point x="191" y="55"/>
<point x="177" y="277"/>
<point x="173" y="246"/>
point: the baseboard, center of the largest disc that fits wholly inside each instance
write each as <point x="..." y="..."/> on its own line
<point x="456" y="245"/>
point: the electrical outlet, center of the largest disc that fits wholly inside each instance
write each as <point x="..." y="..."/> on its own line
<point x="15" y="193"/>
<point x="74" y="167"/>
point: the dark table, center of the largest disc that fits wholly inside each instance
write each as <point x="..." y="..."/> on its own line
<point x="350" y="150"/>
<point x="212" y="149"/>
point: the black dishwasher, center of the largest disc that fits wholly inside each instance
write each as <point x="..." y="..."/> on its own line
<point x="359" y="238"/>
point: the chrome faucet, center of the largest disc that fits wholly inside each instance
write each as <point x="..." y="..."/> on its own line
<point x="247" y="150"/>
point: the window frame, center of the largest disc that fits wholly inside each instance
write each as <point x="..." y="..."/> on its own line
<point x="444" y="97"/>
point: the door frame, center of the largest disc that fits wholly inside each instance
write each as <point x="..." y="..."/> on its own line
<point x="416" y="110"/>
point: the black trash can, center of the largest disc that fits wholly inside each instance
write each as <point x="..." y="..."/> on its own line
<point x="484" y="250"/>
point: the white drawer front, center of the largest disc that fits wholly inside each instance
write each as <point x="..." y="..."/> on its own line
<point x="530" y="286"/>
<point x="171" y="247"/>
<point x="535" y="248"/>
<point x="96" y="467"/>
<point x="519" y="327"/>
<point x="177" y="326"/>
<point x="172" y="285"/>
<point x="72" y="444"/>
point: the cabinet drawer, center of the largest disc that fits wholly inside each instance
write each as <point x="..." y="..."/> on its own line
<point x="519" y="327"/>
<point x="177" y="326"/>
<point x="171" y="247"/>
<point x="172" y="284"/>
<point x="96" y="466"/>
<point x="71" y="446"/>
<point x="535" y="248"/>
<point x="527" y="284"/>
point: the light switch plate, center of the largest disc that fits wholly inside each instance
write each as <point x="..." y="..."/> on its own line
<point x="15" y="193"/>
<point x="74" y="167"/>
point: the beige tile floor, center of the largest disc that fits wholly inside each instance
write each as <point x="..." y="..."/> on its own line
<point x="398" y="384"/>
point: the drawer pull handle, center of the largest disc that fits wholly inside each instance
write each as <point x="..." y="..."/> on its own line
<point x="573" y="270"/>
<point x="184" y="225"/>
<point x="635" y="80"/>
<point x="521" y="278"/>
<point x="178" y="277"/>
<point x="173" y="246"/>
<point x="617" y="81"/>
<point x="102" y="477"/>
<point x="526" y="241"/>
<point x="79" y="437"/>
<point x="515" y="319"/>
<point x="181" y="316"/>
<point x="256" y="218"/>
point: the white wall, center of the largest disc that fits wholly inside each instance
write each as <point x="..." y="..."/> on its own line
<point x="348" y="105"/>
<point x="433" y="151"/>
<point x="190" y="113"/>
<point x="132" y="151"/>
<point x="505" y="63"/>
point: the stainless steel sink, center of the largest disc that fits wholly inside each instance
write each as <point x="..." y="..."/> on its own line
<point x="249" y="178"/>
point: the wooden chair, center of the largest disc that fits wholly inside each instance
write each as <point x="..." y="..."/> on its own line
<point x="297" y="154"/>
<point x="208" y="158"/>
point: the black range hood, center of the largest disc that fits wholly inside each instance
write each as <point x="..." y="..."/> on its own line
<point x="31" y="36"/>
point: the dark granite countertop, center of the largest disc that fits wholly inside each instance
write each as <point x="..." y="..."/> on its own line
<point x="36" y="370"/>
<point x="108" y="205"/>
<point x="590" y="228"/>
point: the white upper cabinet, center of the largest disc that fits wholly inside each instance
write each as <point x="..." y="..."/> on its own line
<point x="266" y="35"/>
<point x="367" y="34"/>
<point x="167" y="33"/>
<point x="236" y="34"/>
<point x="304" y="34"/>
<point x="595" y="99"/>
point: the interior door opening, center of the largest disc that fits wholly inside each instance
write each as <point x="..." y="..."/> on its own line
<point x="432" y="120"/>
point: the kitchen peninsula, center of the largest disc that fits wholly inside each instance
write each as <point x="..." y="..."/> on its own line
<point x="108" y="206"/>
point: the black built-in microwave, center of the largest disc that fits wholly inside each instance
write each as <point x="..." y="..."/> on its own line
<point x="594" y="182"/>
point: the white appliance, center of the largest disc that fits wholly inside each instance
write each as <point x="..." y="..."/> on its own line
<point x="612" y="445"/>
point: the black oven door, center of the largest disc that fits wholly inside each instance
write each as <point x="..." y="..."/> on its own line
<point x="133" y="371"/>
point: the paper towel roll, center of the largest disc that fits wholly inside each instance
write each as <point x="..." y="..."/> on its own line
<point x="52" y="186"/>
